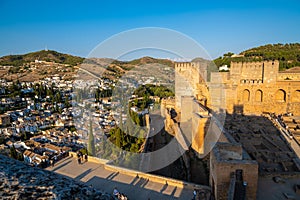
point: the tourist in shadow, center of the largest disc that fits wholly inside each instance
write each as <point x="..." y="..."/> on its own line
<point x="52" y="163"/>
<point x="116" y="192"/>
<point x="85" y="157"/>
<point x="194" y="194"/>
<point x="78" y="157"/>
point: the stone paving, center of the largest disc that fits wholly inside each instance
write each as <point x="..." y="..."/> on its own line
<point x="134" y="187"/>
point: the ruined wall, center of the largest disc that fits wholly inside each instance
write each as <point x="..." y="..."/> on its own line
<point x="200" y="126"/>
<point x="225" y="159"/>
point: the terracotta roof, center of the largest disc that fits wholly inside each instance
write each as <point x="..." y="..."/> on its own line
<point x="52" y="147"/>
<point x="27" y="153"/>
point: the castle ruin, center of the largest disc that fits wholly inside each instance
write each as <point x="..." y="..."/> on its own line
<point x="249" y="88"/>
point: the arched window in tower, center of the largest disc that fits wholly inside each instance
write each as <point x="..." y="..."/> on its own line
<point x="280" y="96"/>
<point x="258" y="96"/>
<point x="246" y="95"/>
<point x="296" y="96"/>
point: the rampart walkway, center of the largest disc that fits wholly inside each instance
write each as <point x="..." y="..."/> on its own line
<point x="134" y="187"/>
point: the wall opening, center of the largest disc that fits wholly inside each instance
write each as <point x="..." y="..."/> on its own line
<point x="280" y="96"/>
<point x="296" y="96"/>
<point x="246" y="95"/>
<point x="258" y="96"/>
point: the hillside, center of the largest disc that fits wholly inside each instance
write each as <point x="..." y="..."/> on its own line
<point x="287" y="54"/>
<point x="19" y="60"/>
<point x="24" y="67"/>
<point x="116" y="68"/>
<point x="144" y="60"/>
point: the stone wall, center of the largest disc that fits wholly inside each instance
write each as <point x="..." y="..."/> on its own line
<point x="225" y="159"/>
<point x="249" y="87"/>
<point x="256" y="87"/>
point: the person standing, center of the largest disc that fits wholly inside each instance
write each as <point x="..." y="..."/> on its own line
<point x="116" y="192"/>
<point x="195" y="194"/>
<point x="81" y="156"/>
<point x="85" y="157"/>
<point x="54" y="159"/>
<point x="51" y="163"/>
<point x="78" y="158"/>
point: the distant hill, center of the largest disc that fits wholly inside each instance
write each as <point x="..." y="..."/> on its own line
<point x="19" y="60"/>
<point x="287" y="54"/>
<point x="145" y="60"/>
<point x="98" y="66"/>
<point x="117" y="67"/>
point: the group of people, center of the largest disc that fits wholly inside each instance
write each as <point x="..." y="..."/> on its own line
<point x="80" y="157"/>
<point x="118" y="195"/>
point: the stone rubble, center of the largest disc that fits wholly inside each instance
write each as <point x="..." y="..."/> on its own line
<point x="20" y="181"/>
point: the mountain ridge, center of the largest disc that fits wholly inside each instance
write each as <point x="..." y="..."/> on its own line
<point x="288" y="55"/>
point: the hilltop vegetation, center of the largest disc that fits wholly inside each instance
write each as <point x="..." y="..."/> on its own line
<point x="19" y="60"/>
<point x="287" y="54"/>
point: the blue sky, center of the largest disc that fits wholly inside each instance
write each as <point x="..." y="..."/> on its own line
<point x="76" y="27"/>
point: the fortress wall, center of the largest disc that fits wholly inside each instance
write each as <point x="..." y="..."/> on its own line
<point x="201" y="68"/>
<point x="252" y="71"/>
<point x="183" y="85"/>
<point x="217" y="92"/>
<point x="280" y="97"/>
<point x="188" y="77"/>
<point x="200" y="125"/>
<point x="271" y="69"/>
<point x="252" y="87"/>
<point x="243" y="92"/>
<point x="235" y="72"/>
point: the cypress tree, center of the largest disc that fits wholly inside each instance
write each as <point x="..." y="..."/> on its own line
<point x="91" y="143"/>
<point x="13" y="152"/>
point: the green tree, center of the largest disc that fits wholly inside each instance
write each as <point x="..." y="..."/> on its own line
<point x="20" y="157"/>
<point x="118" y="137"/>
<point x="2" y="139"/>
<point x="91" y="143"/>
<point x="67" y="103"/>
<point x="13" y="152"/>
